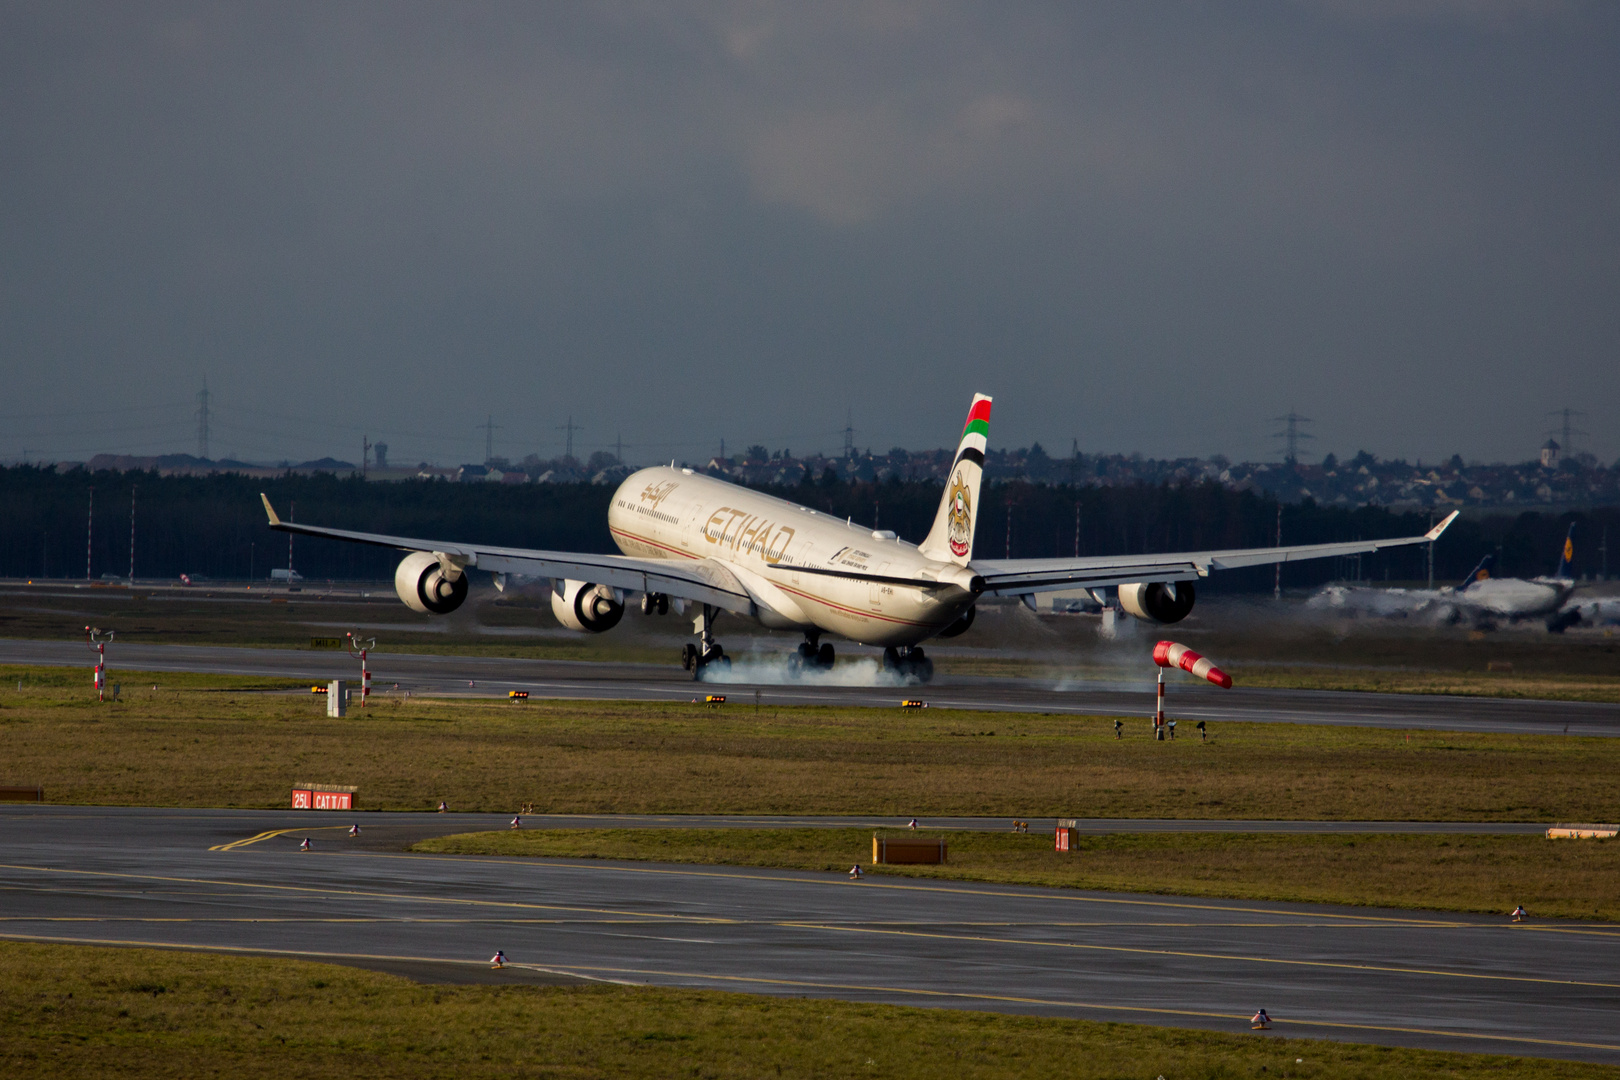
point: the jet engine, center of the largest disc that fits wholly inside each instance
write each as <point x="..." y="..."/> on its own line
<point x="960" y="625"/>
<point x="580" y="605"/>
<point x="420" y="582"/>
<point x="1158" y="601"/>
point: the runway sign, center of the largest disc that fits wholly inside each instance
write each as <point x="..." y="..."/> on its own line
<point x="326" y="643"/>
<point x="22" y="794"/>
<point x="1583" y="832"/>
<point x="1065" y="834"/>
<point x="316" y="799"/>
<point x="907" y="849"/>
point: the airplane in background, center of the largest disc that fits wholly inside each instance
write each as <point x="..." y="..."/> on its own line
<point x="702" y="546"/>
<point x="1479" y="598"/>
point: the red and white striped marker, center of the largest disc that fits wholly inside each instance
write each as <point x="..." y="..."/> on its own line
<point x="1170" y="654"/>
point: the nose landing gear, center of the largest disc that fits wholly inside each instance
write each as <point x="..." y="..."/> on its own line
<point x="908" y="663"/>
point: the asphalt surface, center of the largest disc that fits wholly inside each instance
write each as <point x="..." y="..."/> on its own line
<point x="213" y="880"/>
<point x="1189" y="702"/>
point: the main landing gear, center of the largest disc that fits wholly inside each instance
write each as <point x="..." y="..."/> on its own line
<point x="695" y="658"/>
<point x="908" y="663"/>
<point x="813" y="654"/>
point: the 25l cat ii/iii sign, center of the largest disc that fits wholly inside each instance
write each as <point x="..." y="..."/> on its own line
<point x="309" y="798"/>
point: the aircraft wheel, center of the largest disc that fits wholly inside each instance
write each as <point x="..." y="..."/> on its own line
<point x="891" y="659"/>
<point x="795" y="663"/>
<point x="824" y="655"/>
<point x="924" y="670"/>
<point x="689" y="656"/>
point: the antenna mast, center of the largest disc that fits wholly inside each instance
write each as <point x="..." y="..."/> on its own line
<point x="202" y="420"/>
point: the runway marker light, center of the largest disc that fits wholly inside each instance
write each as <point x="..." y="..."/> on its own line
<point x="518" y="695"/>
<point x="913" y="703"/>
<point x="715" y="699"/>
<point x="317" y="689"/>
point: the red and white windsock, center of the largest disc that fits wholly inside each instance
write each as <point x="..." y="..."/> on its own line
<point x="1170" y="654"/>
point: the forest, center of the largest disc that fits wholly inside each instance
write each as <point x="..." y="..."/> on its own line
<point x="215" y="525"/>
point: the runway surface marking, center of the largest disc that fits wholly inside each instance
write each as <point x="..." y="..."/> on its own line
<point x="870" y="883"/>
<point x="270" y="833"/>
<point x="1194" y="955"/>
<point x="603" y="974"/>
<point x="799" y="925"/>
<point x="368" y="895"/>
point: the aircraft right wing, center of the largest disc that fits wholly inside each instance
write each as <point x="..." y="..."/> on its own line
<point x="702" y="581"/>
<point x="1016" y="577"/>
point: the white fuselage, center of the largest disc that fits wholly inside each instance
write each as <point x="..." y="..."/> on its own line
<point x="771" y="545"/>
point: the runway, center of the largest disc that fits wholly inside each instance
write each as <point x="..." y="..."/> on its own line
<point x="1190" y="702"/>
<point x="1471" y="983"/>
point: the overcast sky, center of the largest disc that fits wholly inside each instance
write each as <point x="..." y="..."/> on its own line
<point x="1146" y="226"/>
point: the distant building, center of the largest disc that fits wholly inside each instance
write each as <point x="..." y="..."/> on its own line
<point x="1549" y="454"/>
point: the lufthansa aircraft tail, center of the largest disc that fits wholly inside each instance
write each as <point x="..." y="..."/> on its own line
<point x="1566" y="556"/>
<point x="951" y="538"/>
<point x="1478" y="573"/>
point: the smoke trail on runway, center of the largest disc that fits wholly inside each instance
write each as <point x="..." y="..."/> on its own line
<point x="766" y="670"/>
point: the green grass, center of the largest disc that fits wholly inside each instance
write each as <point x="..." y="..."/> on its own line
<point x="77" y="1011"/>
<point x="30" y="681"/>
<point x="1555" y="878"/>
<point x="181" y="747"/>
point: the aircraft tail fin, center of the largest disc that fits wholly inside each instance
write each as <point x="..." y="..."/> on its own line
<point x="951" y="538"/>
<point x="1478" y="573"/>
<point x="1566" y="556"/>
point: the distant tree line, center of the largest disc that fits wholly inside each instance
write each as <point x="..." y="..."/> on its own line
<point x="215" y="525"/>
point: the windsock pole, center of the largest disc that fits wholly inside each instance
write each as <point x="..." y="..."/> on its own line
<point x="1158" y="714"/>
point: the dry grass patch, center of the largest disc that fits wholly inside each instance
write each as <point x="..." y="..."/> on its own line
<point x="76" y="1011"/>
<point x="189" y="748"/>
<point x="1554" y="878"/>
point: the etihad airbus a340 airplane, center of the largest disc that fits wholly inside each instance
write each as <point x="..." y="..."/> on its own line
<point x="692" y="541"/>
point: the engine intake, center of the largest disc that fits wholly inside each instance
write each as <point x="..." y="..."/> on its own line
<point x="580" y="605"/>
<point x="960" y="625"/>
<point x="1158" y="601"/>
<point x="420" y="582"/>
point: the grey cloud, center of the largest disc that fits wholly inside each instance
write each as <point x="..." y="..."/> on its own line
<point x="1146" y="226"/>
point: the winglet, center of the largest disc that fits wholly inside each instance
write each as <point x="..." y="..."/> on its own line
<point x="274" y="521"/>
<point x="1432" y="534"/>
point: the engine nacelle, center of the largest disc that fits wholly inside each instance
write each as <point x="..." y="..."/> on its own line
<point x="961" y="624"/>
<point x="421" y="583"/>
<point x="579" y="605"/>
<point x="1158" y="601"/>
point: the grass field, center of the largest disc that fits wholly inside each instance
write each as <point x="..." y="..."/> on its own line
<point x="1555" y="878"/>
<point x="77" y="1011"/>
<point x="193" y="747"/>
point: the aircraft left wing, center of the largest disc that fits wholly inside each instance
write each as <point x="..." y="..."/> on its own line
<point x="702" y="581"/>
<point x="1016" y="577"/>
